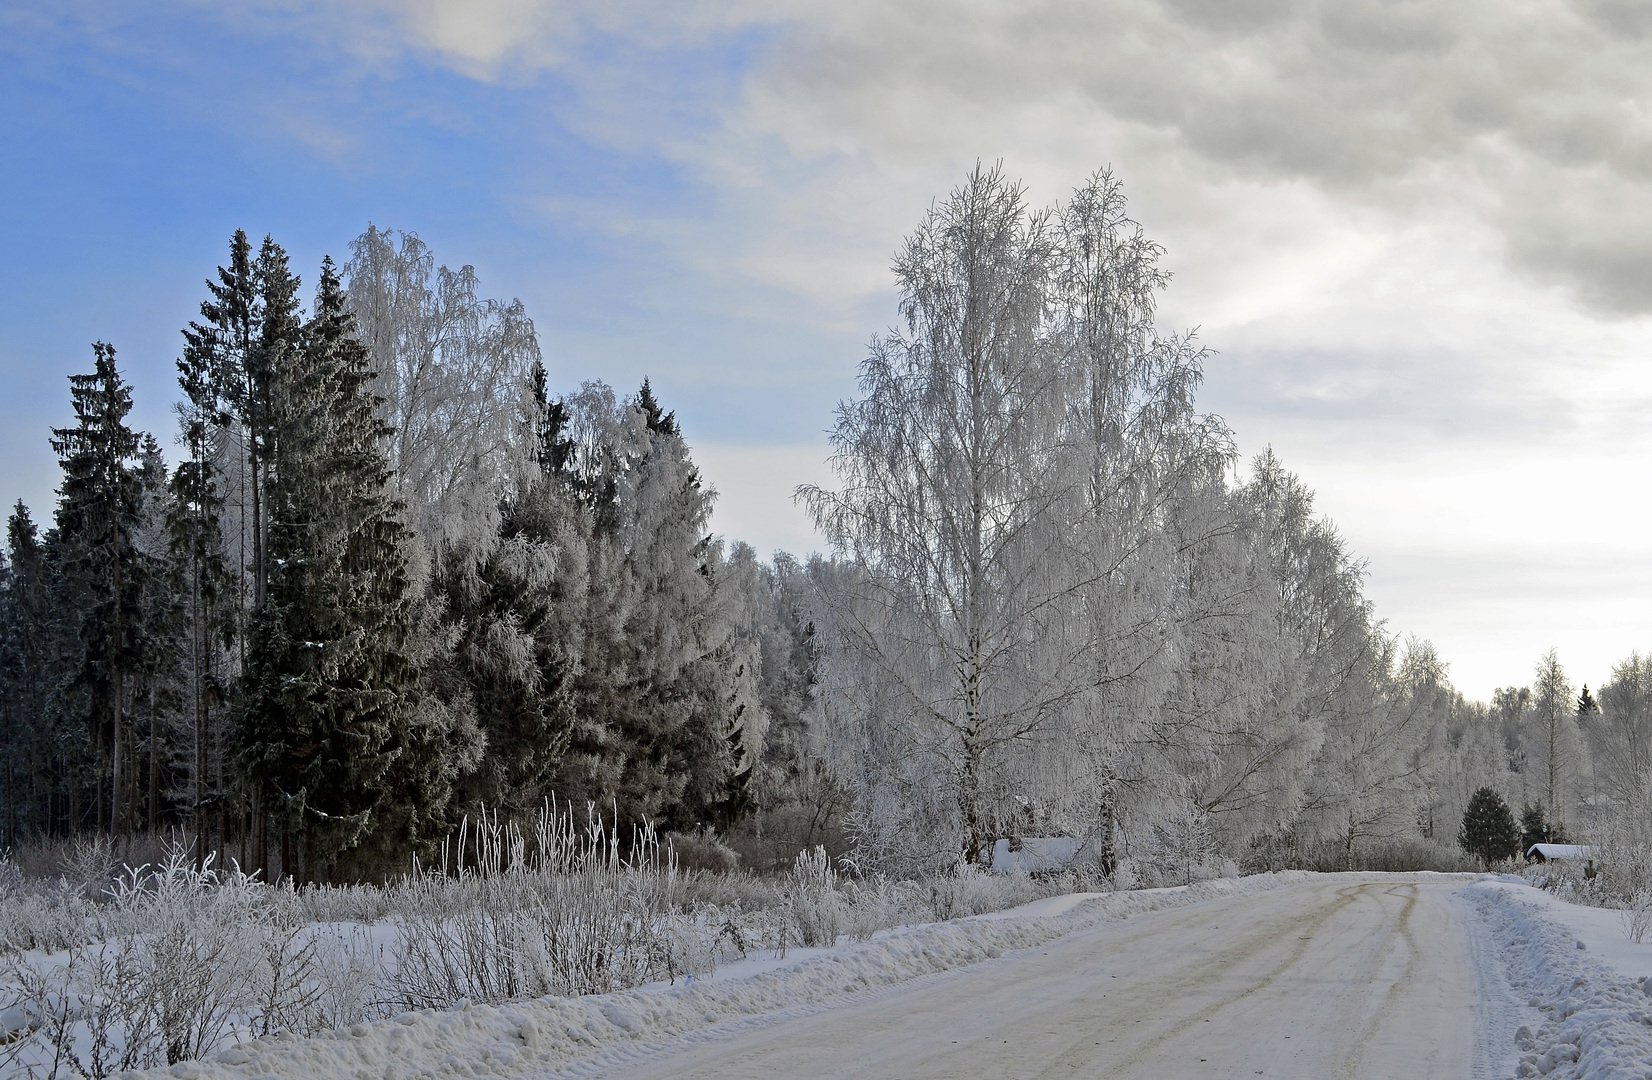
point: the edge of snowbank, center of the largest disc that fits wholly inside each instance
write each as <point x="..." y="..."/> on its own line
<point x="1596" y="1021"/>
<point x="546" y="1033"/>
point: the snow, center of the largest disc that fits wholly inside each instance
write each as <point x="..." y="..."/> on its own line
<point x="1036" y="854"/>
<point x="1586" y="981"/>
<point x="529" y="1038"/>
<point x="1289" y="974"/>
<point x="1561" y="851"/>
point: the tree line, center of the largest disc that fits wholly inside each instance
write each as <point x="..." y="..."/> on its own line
<point x="390" y="580"/>
<point x="393" y="578"/>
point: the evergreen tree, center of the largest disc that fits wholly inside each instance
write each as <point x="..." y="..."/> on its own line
<point x="160" y="637"/>
<point x="13" y="724"/>
<point x="1488" y="831"/>
<point x="329" y="674"/>
<point x="216" y="482"/>
<point x="203" y="578"/>
<point x="654" y="699"/>
<point x="99" y="580"/>
<point x="31" y="641"/>
<point x="1534" y="827"/>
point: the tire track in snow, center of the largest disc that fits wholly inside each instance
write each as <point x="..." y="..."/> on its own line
<point x="1356" y="1053"/>
<point x="1172" y="989"/>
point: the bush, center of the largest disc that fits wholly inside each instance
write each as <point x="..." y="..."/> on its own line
<point x="701" y="850"/>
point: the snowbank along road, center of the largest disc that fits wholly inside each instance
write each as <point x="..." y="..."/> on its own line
<point x="1331" y="977"/>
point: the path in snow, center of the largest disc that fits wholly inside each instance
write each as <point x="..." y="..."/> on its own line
<point x="1332" y="977"/>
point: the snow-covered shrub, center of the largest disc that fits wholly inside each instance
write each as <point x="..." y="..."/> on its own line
<point x="811" y="898"/>
<point x="344" y="903"/>
<point x="702" y="849"/>
<point x="557" y="909"/>
<point x="194" y="941"/>
<point x="45" y="918"/>
<point x="1637" y="917"/>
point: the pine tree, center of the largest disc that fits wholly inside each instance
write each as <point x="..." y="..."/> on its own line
<point x="99" y="578"/>
<point x="1488" y="831"/>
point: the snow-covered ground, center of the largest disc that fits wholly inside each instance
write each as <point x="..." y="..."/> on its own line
<point x="1295" y="975"/>
<point x="1587" y="986"/>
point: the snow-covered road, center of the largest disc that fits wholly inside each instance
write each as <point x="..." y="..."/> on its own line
<point x="1331" y="977"/>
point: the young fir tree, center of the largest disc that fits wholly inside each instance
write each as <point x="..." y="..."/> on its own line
<point x="1534" y="827"/>
<point x="329" y="677"/>
<point x="1488" y="831"/>
<point x="99" y="581"/>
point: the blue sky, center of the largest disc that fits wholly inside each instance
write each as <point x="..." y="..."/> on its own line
<point x="1416" y="234"/>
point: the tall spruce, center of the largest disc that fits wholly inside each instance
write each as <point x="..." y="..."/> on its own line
<point x="99" y="580"/>
<point x="204" y="579"/>
<point x="329" y="678"/>
<point x="160" y="638"/>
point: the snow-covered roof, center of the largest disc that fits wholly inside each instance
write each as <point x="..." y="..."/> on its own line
<point x="1561" y="851"/>
<point x="1035" y="854"/>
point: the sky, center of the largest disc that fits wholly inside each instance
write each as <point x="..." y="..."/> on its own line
<point x="1417" y="234"/>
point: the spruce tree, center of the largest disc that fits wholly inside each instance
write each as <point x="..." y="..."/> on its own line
<point x="99" y="578"/>
<point x="203" y="577"/>
<point x="1534" y="827"/>
<point x="29" y="648"/>
<point x="160" y="636"/>
<point x="216" y="475"/>
<point x="1488" y="831"/>
<point x="329" y="676"/>
<point x="655" y="701"/>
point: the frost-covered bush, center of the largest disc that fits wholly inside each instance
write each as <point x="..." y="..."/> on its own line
<point x="811" y="898"/>
<point x="702" y="849"/>
<point x="1637" y="917"/>
<point x="555" y="909"/>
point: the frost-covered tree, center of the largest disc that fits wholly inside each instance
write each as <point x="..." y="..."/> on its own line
<point x="329" y="705"/>
<point x="1556" y="745"/>
<point x="952" y="476"/>
<point x="1232" y="725"/>
<point x="1620" y="743"/>
<point x="1003" y="481"/>
<point x="455" y="373"/>
<point x="657" y="689"/>
<point x="514" y="607"/>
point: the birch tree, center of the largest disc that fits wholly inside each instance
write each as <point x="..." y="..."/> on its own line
<point x="454" y="378"/>
<point x="1555" y="745"/>
<point x="1003" y="477"/>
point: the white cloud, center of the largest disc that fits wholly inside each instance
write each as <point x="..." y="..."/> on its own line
<point x="1418" y="233"/>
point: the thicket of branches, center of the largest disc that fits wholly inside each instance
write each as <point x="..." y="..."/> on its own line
<point x="392" y="577"/>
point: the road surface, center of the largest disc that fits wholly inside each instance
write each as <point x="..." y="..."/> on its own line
<point x="1340" y="977"/>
